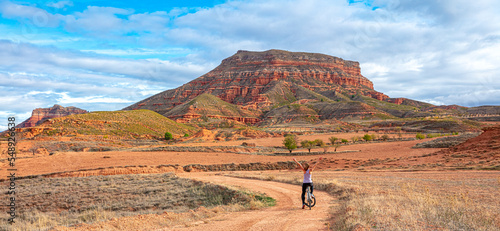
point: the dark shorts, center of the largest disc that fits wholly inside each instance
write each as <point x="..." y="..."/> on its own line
<point x="304" y="187"/>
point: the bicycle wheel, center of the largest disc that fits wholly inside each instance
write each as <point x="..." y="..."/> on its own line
<point x="311" y="201"/>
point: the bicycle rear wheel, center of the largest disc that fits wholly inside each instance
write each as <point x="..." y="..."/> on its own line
<point x="311" y="201"/>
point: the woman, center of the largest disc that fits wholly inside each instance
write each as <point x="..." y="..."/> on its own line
<point x="307" y="179"/>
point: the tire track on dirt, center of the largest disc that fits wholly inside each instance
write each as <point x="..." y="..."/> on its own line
<point x="286" y="215"/>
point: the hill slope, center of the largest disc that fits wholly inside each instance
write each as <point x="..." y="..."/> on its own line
<point x="120" y="124"/>
<point x="207" y="105"/>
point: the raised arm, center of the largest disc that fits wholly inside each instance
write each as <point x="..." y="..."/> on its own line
<point x="298" y="164"/>
<point x="314" y="166"/>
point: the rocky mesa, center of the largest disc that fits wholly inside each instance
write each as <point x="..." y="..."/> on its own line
<point x="39" y="115"/>
<point x="246" y="77"/>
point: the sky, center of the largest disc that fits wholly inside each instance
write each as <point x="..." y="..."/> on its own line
<point x="106" y="55"/>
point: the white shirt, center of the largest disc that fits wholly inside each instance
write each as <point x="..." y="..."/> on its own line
<point x="307" y="177"/>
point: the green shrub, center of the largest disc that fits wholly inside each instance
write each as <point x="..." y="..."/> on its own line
<point x="186" y="135"/>
<point x="345" y="141"/>
<point x="385" y="137"/>
<point x="367" y="137"/>
<point x="168" y="136"/>
<point x="420" y="136"/>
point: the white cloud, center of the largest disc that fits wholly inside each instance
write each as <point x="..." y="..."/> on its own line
<point x="98" y="20"/>
<point x="49" y="61"/>
<point x="60" y="4"/>
<point x="138" y="51"/>
<point x="68" y="100"/>
<point x="36" y="16"/>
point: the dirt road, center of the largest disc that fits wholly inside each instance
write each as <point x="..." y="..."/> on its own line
<point x="286" y="215"/>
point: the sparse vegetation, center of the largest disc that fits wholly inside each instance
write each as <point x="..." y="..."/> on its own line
<point x="354" y="139"/>
<point x="420" y="136"/>
<point x="110" y="124"/>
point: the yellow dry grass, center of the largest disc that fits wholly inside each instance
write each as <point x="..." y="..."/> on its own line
<point x="406" y="201"/>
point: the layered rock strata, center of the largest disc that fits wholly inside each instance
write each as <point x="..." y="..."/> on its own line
<point x="245" y="77"/>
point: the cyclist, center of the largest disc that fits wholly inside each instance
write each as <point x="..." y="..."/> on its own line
<point x="307" y="179"/>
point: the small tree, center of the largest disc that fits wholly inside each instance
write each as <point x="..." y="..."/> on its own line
<point x="345" y="141"/>
<point x="34" y="148"/>
<point x="307" y="144"/>
<point x="374" y="137"/>
<point x="290" y="142"/>
<point x="336" y="146"/>
<point x="385" y="137"/>
<point x="333" y="139"/>
<point x="168" y="136"/>
<point x="320" y="143"/>
<point x="325" y="147"/>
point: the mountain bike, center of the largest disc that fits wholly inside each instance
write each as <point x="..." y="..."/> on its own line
<point x="310" y="200"/>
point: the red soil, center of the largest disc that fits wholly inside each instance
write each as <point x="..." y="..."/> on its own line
<point x="72" y="161"/>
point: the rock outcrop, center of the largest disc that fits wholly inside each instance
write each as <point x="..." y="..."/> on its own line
<point x="409" y="102"/>
<point x="246" y="79"/>
<point x="41" y="114"/>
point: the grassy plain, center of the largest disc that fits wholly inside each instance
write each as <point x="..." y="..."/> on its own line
<point x="448" y="200"/>
<point x="44" y="203"/>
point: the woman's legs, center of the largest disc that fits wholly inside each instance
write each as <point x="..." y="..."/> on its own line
<point x="303" y="195"/>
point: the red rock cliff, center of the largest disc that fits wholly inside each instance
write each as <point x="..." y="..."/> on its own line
<point x="244" y="77"/>
<point x="41" y="114"/>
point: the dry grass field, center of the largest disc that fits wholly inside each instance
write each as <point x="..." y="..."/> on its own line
<point x="43" y="203"/>
<point x="452" y="200"/>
